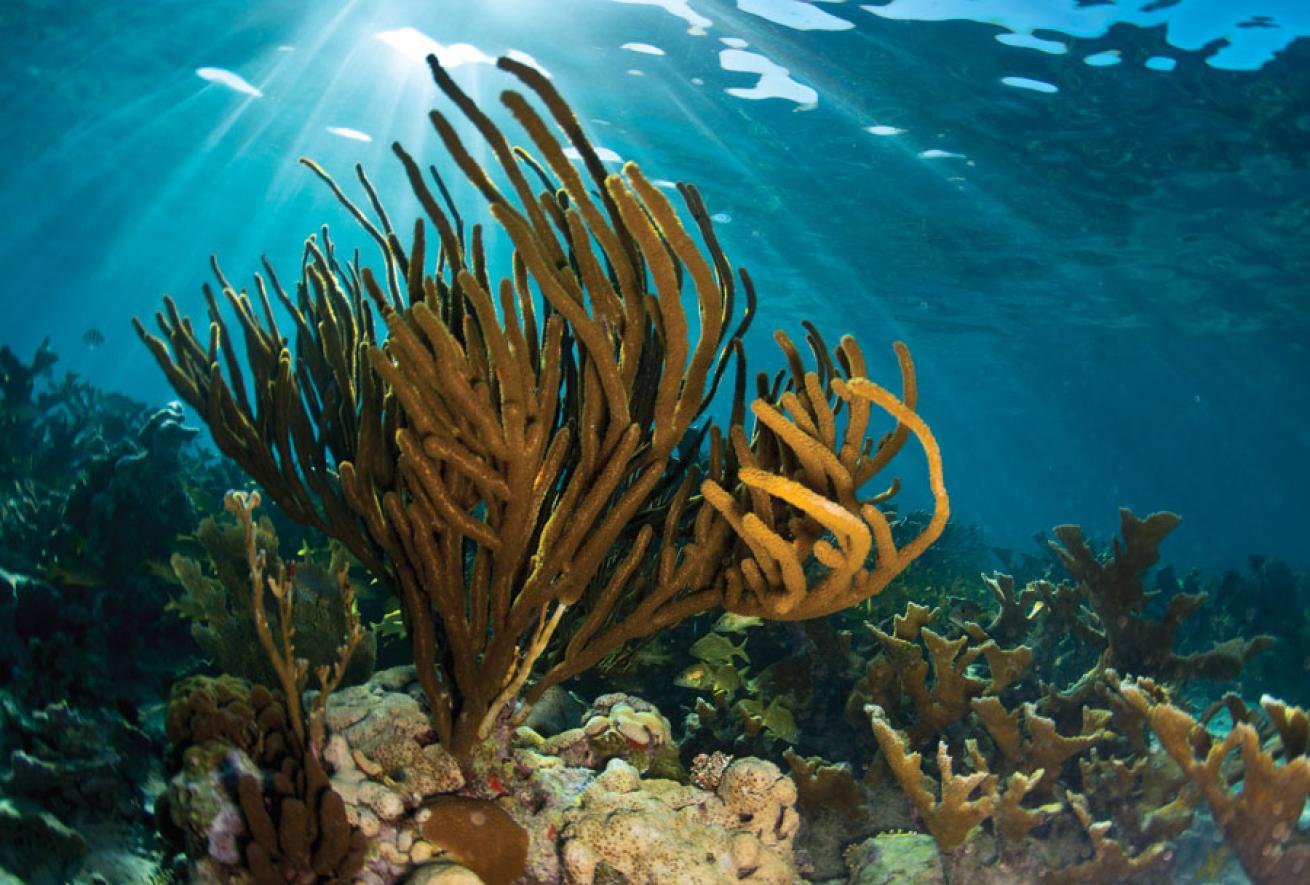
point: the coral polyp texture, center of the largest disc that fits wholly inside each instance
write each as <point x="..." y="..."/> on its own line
<point x="522" y="459"/>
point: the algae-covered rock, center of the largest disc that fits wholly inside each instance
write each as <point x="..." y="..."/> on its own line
<point x="444" y="874"/>
<point x="896" y="859"/>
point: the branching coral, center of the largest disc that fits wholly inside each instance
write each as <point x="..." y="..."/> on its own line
<point x="1135" y="644"/>
<point x="516" y="460"/>
<point x="902" y="670"/>
<point x="1042" y="748"/>
<point x="966" y="800"/>
<point x="1259" y="821"/>
<point x="1110" y="862"/>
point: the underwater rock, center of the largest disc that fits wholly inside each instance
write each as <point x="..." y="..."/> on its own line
<point x="199" y="811"/>
<point x="761" y="799"/>
<point x="444" y="873"/>
<point x="895" y="859"/>
<point x="555" y="711"/>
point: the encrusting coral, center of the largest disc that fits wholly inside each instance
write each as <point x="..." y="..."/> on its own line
<point x="646" y="832"/>
<point x="517" y="461"/>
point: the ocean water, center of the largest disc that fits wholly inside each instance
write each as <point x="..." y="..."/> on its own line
<point x="1087" y="221"/>
<point x="1086" y="218"/>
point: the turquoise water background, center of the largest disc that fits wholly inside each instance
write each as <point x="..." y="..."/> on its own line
<point x="1089" y="222"/>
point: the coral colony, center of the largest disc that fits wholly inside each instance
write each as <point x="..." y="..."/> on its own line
<point x="526" y="496"/>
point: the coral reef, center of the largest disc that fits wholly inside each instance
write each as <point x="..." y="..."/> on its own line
<point x="407" y="808"/>
<point x="524" y="477"/>
<point x="531" y="466"/>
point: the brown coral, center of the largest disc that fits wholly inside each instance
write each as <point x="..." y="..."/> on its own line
<point x="902" y="670"/>
<point x="508" y="460"/>
<point x="479" y="834"/>
<point x="1259" y="821"/>
<point x="951" y="817"/>
<point x="1110" y="862"/>
<point x="1135" y="644"/>
<point x="298" y="827"/>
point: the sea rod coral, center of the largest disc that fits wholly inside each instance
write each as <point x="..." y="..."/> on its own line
<point x="523" y="461"/>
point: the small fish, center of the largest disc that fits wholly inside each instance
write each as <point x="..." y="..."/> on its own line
<point x="702" y="677"/>
<point x="777" y="719"/>
<point x="697" y="676"/>
<point x="605" y="154"/>
<point x="93" y="338"/>
<point x="965" y="609"/>
<point x="1036" y="609"/>
<point x="392" y="624"/>
<point x="654" y="654"/>
<point x="731" y="622"/>
<point x="72" y="572"/>
<point x="727" y="679"/>
<point x="716" y="650"/>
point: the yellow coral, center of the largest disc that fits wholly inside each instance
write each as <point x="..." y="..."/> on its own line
<point x="1259" y="821"/>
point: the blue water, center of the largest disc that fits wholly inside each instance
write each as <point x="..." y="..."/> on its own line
<point x="1088" y="222"/>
